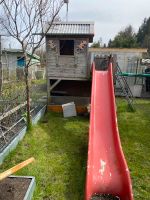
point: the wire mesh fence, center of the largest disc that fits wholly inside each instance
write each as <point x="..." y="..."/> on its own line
<point x="13" y="104"/>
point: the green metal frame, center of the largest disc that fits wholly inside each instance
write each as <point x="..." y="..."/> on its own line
<point x="133" y="75"/>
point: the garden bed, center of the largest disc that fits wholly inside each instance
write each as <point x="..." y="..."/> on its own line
<point x="17" y="188"/>
<point x="17" y="132"/>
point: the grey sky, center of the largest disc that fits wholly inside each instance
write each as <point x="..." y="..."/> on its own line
<point x="110" y="16"/>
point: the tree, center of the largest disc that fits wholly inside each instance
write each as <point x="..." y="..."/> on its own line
<point x="1" y="1"/>
<point x="97" y="44"/>
<point x="124" y="39"/>
<point x="104" y="46"/>
<point x="110" y="43"/>
<point x="1" y="70"/>
<point x="42" y="54"/>
<point x="143" y="35"/>
<point x="28" y="21"/>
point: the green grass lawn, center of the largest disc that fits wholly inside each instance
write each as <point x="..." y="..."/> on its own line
<point x="60" y="149"/>
<point x="134" y="130"/>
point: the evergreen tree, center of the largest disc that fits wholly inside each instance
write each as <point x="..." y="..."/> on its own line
<point x="96" y="44"/>
<point x="124" y="39"/>
<point x="109" y="43"/>
<point x="143" y="35"/>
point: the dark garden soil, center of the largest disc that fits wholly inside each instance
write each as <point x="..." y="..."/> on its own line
<point x="10" y="135"/>
<point x="104" y="197"/>
<point x="14" y="188"/>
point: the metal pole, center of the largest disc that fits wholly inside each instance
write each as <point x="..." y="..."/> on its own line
<point x="67" y="2"/>
<point x="1" y="68"/>
<point x="67" y="13"/>
<point x="135" y="80"/>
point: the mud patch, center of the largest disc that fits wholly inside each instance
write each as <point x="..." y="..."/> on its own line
<point x="14" y="188"/>
<point x="104" y="197"/>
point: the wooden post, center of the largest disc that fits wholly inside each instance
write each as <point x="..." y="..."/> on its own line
<point x="47" y="76"/>
<point x="1" y="68"/>
<point x="15" y="168"/>
<point x="29" y="123"/>
<point x="48" y="90"/>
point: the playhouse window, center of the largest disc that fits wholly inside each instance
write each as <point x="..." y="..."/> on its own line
<point x="66" y="47"/>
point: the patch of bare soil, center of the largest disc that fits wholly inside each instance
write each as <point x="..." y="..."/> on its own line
<point x="13" y="188"/>
<point x="104" y="197"/>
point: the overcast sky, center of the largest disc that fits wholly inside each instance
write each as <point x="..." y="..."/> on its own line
<point x="110" y="16"/>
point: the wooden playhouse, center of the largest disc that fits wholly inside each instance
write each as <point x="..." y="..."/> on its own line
<point x="68" y="66"/>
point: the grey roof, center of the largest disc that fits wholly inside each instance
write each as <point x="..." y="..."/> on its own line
<point x="20" y="51"/>
<point x="12" y="50"/>
<point x="72" y="28"/>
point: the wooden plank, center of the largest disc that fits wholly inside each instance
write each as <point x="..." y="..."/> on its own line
<point x="55" y="84"/>
<point x="16" y="168"/>
<point x="69" y="78"/>
<point x="55" y="108"/>
<point x="58" y="108"/>
<point x="63" y="75"/>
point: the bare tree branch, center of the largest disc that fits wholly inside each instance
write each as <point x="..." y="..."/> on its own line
<point x="24" y="20"/>
<point x="1" y="1"/>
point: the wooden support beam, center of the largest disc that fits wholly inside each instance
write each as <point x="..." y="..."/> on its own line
<point x="55" y="84"/>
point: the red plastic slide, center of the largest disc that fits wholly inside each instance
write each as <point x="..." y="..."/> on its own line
<point x="107" y="171"/>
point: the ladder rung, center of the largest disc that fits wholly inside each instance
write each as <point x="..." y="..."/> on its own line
<point x="124" y="87"/>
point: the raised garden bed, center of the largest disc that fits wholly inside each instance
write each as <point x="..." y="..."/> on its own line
<point x="17" y="188"/>
<point x="17" y="133"/>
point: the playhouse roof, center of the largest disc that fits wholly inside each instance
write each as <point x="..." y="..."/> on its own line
<point x="77" y="29"/>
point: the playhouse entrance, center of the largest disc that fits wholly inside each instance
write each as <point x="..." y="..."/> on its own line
<point x="70" y="90"/>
